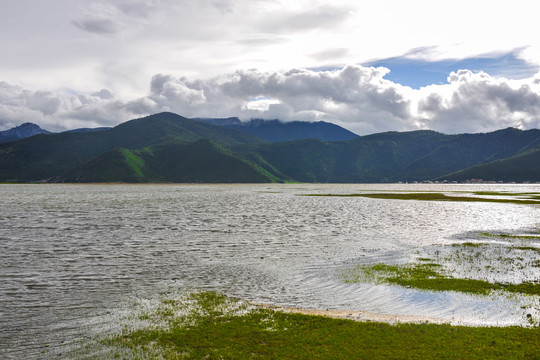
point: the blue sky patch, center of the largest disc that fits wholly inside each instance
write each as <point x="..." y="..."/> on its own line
<point x="418" y="73"/>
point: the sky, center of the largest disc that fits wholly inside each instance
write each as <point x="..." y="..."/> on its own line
<point x="369" y="66"/>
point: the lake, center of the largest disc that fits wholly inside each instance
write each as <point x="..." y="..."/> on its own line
<point x="74" y="256"/>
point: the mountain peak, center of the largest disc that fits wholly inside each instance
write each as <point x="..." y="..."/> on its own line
<point x="22" y="131"/>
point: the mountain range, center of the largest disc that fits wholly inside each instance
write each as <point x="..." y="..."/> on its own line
<point x="167" y="147"/>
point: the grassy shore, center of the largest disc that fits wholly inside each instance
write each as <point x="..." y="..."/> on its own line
<point x="217" y="327"/>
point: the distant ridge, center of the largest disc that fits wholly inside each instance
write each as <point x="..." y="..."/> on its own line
<point x="277" y="131"/>
<point x="73" y="156"/>
<point x="30" y="129"/>
<point x="230" y="121"/>
<point x="21" y="132"/>
<point x="520" y="168"/>
<point x="103" y="128"/>
<point x="167" y="147"/>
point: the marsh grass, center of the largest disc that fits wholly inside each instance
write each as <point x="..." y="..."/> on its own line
<point x="426" y="276"/>
<point x="433" y="197"/>
<point x="213" y="332"/>
<point x="503" y="193"/>
<point x="467" y="244"/>
<point x="531" y="196"/>
<point x="470" y="267"/>
<point x="527" y="248"/>
<point x="510" y="236"/>
<point x="431" y="276"/>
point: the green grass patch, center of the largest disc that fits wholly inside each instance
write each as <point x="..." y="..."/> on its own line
<point x="134" y="162"/>
<point x="212" y="333"/>
<point x="467" y="244"/>
<point x="427" y="276"/>
<point x="527" y="248"/>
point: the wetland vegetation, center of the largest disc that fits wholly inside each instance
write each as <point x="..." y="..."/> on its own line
<point x="428" y="276"/>
<point x="510" y="236"/>
<point x="532" y="199"/>
<point x="475" y="267"/>
<point x="216" y="326"/>
<point x="132" y="245"/>
<point x="212" y="325"/>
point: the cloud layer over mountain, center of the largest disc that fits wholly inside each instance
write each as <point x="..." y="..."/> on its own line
<point x="356" y="97"/>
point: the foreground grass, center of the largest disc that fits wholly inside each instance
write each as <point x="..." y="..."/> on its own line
<point x="211" y="332"/>
<point x="433" y="197"/>
<point x="426" y="277"/>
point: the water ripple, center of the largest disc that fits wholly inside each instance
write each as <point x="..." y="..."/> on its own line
<point x="71" y="253"/>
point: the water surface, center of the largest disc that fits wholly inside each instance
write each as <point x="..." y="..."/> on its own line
<point x="72" y="254"/>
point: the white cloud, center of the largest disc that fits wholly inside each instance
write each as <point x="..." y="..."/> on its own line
<point x="305" y="19"/>
<point x="121" y="44"/>
<point x="261" y="104"/>
<point x="356" y="97"/>
<point x="57" y="112"/>
<point x="473" y="102"/>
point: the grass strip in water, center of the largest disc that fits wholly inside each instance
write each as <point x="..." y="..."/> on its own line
<point x="509" y="236"/>
<point x="432" y="197"/>
<point x="268" y="334"/>
<point x="527" y="248"/>
<point x="426" y="277"/>
<point x="467" y="244"/>
<point x="496" y="193"/>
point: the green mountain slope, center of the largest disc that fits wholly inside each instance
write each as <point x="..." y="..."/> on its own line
<point x="200" y="161"/>
<point x="170" y="148"/>
<point x="49" y="156"/>
<point x="461" y="151"/>
<point x="278" y="131"/>
<point x="388" y="157"/>
<point x="519" y="168"/>
<point x="365" y="159"/>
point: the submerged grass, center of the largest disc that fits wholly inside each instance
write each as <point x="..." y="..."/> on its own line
<point x="433" y="197"/>
<point x="426" y="276"/>
<point x="467" y="244"/>
<point x="509" y="236"/>
<point x="533" y="195"/>
<point x="527" y="248"/>
<point x="212" y="333"/>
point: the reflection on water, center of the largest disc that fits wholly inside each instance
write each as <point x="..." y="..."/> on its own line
<point x="71" y="253"/>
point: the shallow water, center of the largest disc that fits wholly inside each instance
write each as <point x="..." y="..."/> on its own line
<point x="75" y="253"/>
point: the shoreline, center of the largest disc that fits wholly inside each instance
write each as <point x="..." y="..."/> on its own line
<point x="358" y="315"/>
